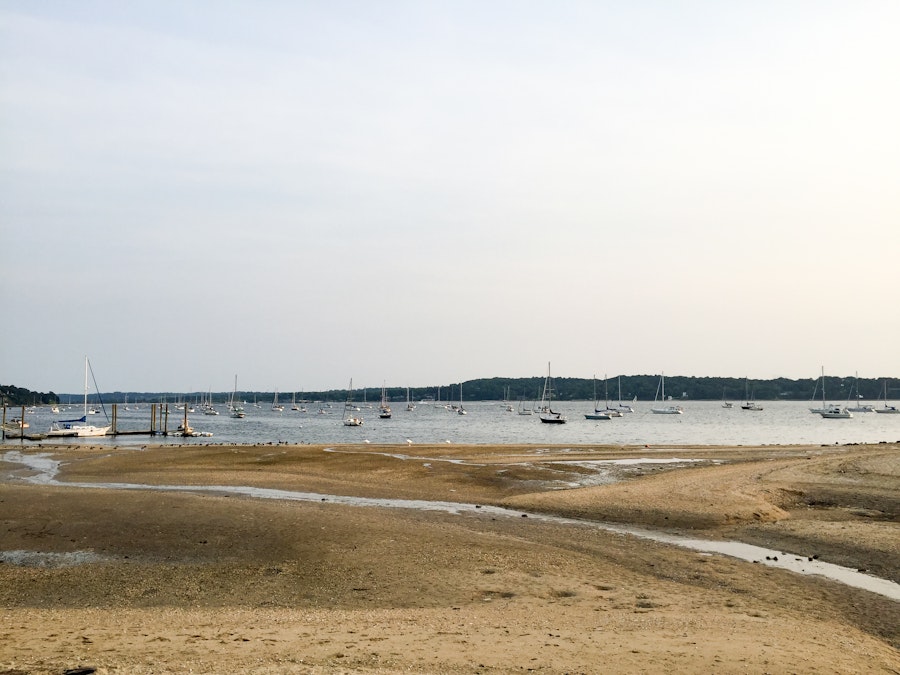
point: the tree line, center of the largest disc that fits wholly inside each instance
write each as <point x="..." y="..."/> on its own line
<point x="644" y="387"/>
<point x="12" y="395"/>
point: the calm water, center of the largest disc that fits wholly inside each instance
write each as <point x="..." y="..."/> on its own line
<point x="703" y="423"/>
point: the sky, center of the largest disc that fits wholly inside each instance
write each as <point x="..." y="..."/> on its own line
<point x="419" y="193"/>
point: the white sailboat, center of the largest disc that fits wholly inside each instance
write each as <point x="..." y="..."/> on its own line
<point x="612" y="412"/>
<point x="460" y="410"/>
<point x="547" y="415"/>
<point x="825" y="406"/>
<point x="351" y="420"/>
<point x="276" y="406"/>
<point x="78" y="427"/>
<point x="888" y="409"/>
<point x="208" y="407"/>
<point x="597" y="414"/>
<point x="832" y="411"/>
<point x="623" y="407"/>
<point x="522" y="409"/>
<point x="860" y="407"/>
<point x="664" y="409"/>
<point x="725" y="402"/>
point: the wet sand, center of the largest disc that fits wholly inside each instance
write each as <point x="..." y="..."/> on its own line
<point x="211" y="583"/>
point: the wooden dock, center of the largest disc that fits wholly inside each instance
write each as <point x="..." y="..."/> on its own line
<point x="159" y="422"/>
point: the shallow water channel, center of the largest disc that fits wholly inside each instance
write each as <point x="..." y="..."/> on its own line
<point x="42" y="470"/>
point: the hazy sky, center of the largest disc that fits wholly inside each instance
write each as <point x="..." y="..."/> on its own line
<point x="427" y="192"/>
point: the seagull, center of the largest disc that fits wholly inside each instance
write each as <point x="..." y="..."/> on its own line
<point x="366" y="441"/>
<point x="408" y="442"/>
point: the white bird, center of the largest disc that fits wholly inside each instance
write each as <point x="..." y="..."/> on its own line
<point x="408" y="442"/>
<point x="366" y="441"/>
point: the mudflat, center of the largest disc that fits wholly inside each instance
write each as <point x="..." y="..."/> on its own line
<point x="118" y="565"/>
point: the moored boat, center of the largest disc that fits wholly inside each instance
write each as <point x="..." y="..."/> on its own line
<point x="836" y="412"/>
<point x="79" y="427"/>
<point x="349" y="419"/>
<point x="887" y="409"/>
<point x="547" y="414"/>
<point x="664" y="409"/>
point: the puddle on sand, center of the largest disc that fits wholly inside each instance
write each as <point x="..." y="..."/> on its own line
<point x="45" y="469"/>
<point x="40" y="559"/>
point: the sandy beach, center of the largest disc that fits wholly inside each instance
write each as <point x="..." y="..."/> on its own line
<point x="172" y="580"/>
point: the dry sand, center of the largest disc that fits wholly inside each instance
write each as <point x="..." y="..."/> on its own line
<point x="210" y="583"/>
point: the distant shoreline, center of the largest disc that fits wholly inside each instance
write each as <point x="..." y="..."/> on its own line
<point x="644" y="387"/>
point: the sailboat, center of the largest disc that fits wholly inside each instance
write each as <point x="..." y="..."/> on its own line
<point x="725" y="402"/>
<point x="209" y="408"/>
<point x="888" y="409"/>
<point x="410" y="406"/>
<point x="547" y="415"/>
<point x="831" y="411"/>
<point x="522" y="409"/>
<point x="664" y="409"/>
<point x="597" y="414"/>
<point x="460" y="410"/>
<point x="860" y="407"/>
<point x="825" y="406"/>
<point x="509" y="406"/>
<point x="237" y="410"/>
<point x="749" y="403"/>
<point x="612" y="412"/>
<point x="78" y="427"/>
<point x="350" y="420"/>
<point x="276" y="406"/>
<point x="384" y="410"/>
<point x="623" y="407"/>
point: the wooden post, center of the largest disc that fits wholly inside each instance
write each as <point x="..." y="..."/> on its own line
<point x="115" y="407"/>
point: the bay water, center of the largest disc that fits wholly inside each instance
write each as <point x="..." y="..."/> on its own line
<point x="489" y="422"/>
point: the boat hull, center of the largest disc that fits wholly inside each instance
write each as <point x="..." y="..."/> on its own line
<point x="90" y="431"/>
<point x="553" y="419"/>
